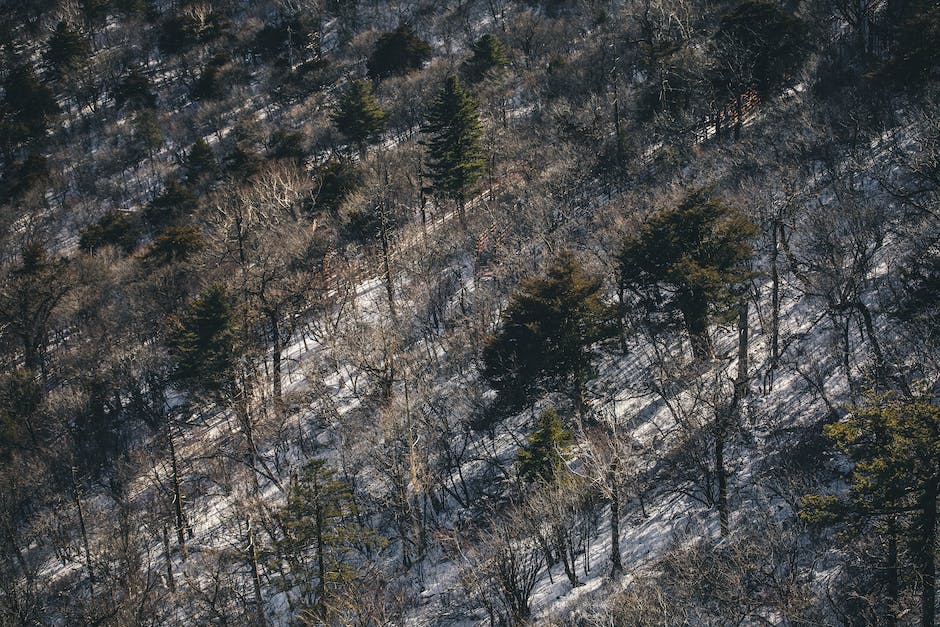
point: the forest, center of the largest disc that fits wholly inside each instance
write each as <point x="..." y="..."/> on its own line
<point x="469" y="312"/>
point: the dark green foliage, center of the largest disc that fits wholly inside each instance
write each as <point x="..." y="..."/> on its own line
<point x="322" y="533"/>
<point x="689" y="258"/>
<point x="204" y="344"/>
<point x="97" y="428"/>
<point x="25" y="176"/>
<point x="359" y="116"/>
<point x="135" y="90"/>
<point x="489" y="54"/>
<point x="289" y="41"/>
<point x="920" y="297"/>
<point x="545" y="338"/>
<point x="456" y="160"/>
<point x="33" y="290"/>
<point x="293" y="83"/>
<point x="915" y="57"/>
<point x="362" y="226"/>
<point x="289" y="145"/>
<point x="116" y="228"/>
<point x="397" y="53"/>
<point x="541" y="457"/>
<point x="95" y="11"/>
<point x="68" y="48"/>
<point x="190" y="28"/>
<point x="201" y="163"/>
<point x="894" y="444"/>
<point x="175" y="204"/>
<point x="215" y="81"/>
<point x="148" y="135"/>
<point x="175" y="244"/>
<point x="758" y="46"/>
<point x="243" y="162"/>
<point x="28" y="106"/>
<point x="335" y="180"/>
<point x="20" y="396"/>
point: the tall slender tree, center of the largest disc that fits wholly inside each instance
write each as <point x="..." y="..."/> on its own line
<point x="456" y="159"/>
<point x="359" y="116"/>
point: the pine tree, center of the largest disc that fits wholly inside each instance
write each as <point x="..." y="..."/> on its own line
<point x="358" y="116"/>
<point x="335" y="181"/>
<point x="489" y="54"/>
<point x="895" y="446"/>
<point x="201" y="162"/>
<point x="397" y="53"/>
<point x="541" y="457"/>
<point x="546" y="336"/>
<point x="456" y="160"/>
<point x="27" y="107"/>
<point x="692" y="257"/>
<point x="758" y="46"/>
<point x="204" y="345"/>
<point x="173" y="205"/>
<point x="320" y="514"/>
<point x="67" y="49"/>
<point x="115" y="228"/>
<point x="135" y="90"/>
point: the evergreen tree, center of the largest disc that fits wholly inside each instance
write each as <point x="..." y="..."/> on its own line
<point x="689" y="258"/>
<point x="175" y="244"/>
<point x="920" y="298"/>
<point x="204" y="343"/>
<point x="135" y="90"/>
<point x="456" y="160"/>
<point x="541" y="457"/>
<point x="895" y="446"/>
<point x="115" y="228"/>
<point x="20" y="396"/>
<point x="359" y="117"/>
<point x="29" y="295"/>
<point x="214" y="82"/>
<point x="288" y="145"/>
<point x="201" y="162"/>
<point x="397" y="53"/>
<point x="67" y="49"/>
<point x="320" y="515"/>
<point x="489" y="54"/>
<point x="148" y="136"/>
<point x="336" y="180"/>
<point x="27" y="107"/>
<point x="546" y="335"/>
<point x="174" y="204"/>
<point x="758" y="45"/>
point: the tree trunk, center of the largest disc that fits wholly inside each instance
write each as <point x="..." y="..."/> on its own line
<point x="84" y="531"/>
<point x="774" y="297"/>
<point x="616" y="566"/>
<point x="255" y="574"/>
<point x="178" y="510"/>
<point x="721" y="475"/>
<point x="276" y="357"/>
<point x="694" y="309"/>
<point x="891" y="575"/>
<point x="171" y="583"/>
<point x="740" y="384"/>
<point x="880" y="363"/>
<point x="321" y="562"/>
<point x="386" y="261"/>
<point x="926" y="553"/>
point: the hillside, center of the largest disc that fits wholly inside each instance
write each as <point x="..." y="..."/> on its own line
<point x="548" y="312"/>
